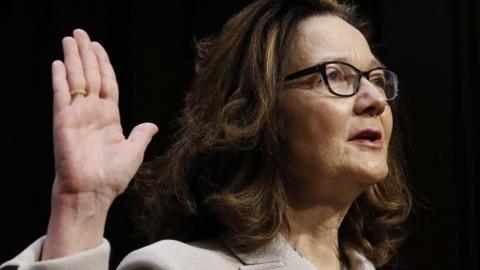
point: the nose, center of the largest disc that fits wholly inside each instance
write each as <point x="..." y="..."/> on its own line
<point x="369" y="100"/>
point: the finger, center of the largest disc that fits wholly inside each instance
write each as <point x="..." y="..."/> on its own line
<point x="140" y="137"/>
<point x="61" y="93"/>
<point x="73" y="65"/>
<point x="89" y="61"/>
<point x="109" y="87"/>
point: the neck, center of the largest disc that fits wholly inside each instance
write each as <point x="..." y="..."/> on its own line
<point x="314" y="233"/>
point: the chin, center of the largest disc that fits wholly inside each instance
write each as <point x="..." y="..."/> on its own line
<point x="370" y="175"/>
<point x="373" y="178"/>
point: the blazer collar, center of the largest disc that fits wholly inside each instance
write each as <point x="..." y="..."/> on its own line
<point x="276" y="251"/>
<point x="279" y="254"/>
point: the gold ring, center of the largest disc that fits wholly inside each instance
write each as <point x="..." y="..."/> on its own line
<point x="78" y="92"/>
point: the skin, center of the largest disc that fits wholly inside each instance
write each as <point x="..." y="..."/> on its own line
<point x="328" y="171"/>
<point x="94" y="161"/>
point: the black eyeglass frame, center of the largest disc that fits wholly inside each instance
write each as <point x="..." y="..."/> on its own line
<point x="321" y="68"/>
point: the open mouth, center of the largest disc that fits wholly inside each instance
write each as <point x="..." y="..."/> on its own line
<point x="368" y="137"/>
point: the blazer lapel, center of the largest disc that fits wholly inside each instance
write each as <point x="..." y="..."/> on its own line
<point x="358" y="261"/>
<point x="278" y="255"/>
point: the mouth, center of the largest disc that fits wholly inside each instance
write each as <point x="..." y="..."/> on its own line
<point x="369" y="138"/>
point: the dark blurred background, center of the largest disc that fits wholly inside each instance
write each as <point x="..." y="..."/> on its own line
<point x="433" y="45"/>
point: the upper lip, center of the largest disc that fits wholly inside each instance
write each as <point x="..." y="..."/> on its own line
<point x="367" y="134"/>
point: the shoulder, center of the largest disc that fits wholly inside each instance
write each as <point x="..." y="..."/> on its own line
<point x="172" y="254"/>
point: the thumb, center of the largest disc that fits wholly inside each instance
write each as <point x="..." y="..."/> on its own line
<point x="141" y="135"/>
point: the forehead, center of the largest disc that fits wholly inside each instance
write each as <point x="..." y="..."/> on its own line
<point x="328" y="37"/>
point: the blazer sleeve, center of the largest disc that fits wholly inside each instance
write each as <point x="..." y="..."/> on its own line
<point x="29" y="259"/>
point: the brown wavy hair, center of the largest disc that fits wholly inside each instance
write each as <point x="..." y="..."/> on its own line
<point x="224" y="172"/>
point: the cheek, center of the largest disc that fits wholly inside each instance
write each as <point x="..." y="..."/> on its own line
<point x="315" y="127"/>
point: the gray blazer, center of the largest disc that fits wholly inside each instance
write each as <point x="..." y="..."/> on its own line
<point x="209" y="254"/>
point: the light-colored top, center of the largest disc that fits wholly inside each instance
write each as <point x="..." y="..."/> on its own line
<point x="211" y="254"/>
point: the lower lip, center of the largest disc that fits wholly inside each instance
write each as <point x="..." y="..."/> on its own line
<point x="376" y="145"/>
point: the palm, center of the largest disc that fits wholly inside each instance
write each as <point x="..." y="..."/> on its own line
<point x="90" y="146"/>
<point x="91" y="152"/>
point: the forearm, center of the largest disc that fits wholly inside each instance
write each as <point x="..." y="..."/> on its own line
<point x="76" y="224"/>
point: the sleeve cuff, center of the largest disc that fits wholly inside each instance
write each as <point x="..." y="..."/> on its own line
<point x="93" y="259"/>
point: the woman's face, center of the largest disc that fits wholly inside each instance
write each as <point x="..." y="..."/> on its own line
<point x="329" y="156"/>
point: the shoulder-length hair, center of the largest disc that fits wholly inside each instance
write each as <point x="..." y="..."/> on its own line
<point x="224" y="172"/>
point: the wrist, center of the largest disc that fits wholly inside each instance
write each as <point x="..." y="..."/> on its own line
<point x="80" y="206"/>
<point x="76" y="224"/>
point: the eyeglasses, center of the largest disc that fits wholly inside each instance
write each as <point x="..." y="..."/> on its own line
<point x="343" y="79"/>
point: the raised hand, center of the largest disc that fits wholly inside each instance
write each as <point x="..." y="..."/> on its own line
<point x="94" y="162"/>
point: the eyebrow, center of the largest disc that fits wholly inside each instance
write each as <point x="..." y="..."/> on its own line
<point x="373" y="63"/>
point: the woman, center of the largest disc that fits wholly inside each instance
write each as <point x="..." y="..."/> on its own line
<point x="285" y="157"/>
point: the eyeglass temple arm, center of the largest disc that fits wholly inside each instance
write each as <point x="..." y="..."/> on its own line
<point x="302" y="73"/>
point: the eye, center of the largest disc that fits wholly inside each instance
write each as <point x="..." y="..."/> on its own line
<point x="380" y="82"/>
<point x="378" y="79"/>
<point x="334" y="74"/>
